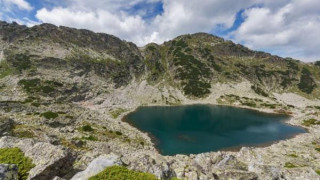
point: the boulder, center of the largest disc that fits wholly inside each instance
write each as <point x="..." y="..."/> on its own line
<point x="97" y="165"/>
<point x="5" y="126"/>
<point x="50" y="160"/>
<point x="8" y="172"/>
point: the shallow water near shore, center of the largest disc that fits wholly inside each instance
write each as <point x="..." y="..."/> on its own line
<point x="193" y="129"/>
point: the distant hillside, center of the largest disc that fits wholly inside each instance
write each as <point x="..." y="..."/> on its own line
<point x="191" y="63"/>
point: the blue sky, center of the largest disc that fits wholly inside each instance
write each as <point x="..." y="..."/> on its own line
<point x="289" y="28"/>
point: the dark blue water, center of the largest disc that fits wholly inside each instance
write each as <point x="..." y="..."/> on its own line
<point x="202" y="128"/>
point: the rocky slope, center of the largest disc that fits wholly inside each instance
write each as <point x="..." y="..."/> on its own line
<point x="63" y="92"/>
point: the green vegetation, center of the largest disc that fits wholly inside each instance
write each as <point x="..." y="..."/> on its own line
<point x="307" y="83"/>
<point x="35" y="104"/>
<point x="47" y="89"/>
<point x="23" y="134"/>
<point x="69" y="117"/>
<point x="87" y="128"/>
<point x="117" y="112"/>
<point x="293" y="155"/>
<point x="5" y="70"/>
<point x="118" y="133"/>
<point x="49" y="115"/>
<point x="19" y="61"/>
<point x="310" y="122"/>
<point x="193" y="73"/>
<point x="250" y="104"/>
<point x="292" y="65"/>
<point x="37" y="85"/>
<point x="29" y="84"/>
<point x="22" y="131"/>
<point x="16" y="156"/>
<point x="271" y="106"/>
<point x="118" y="69"/>
<point x="290" y="165"/>
<point x="151" y="48"/>
<point x="317" y="171"/>
<point x="122" y="173"/>
<point x="259" y="91"/>
<point x="317" y="63"/>
<point x="90" y="138"/>
<point x="245" y="101"/>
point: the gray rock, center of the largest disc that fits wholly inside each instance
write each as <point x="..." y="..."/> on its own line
<point x="97" y="165"/>
<point x="8" y="172"/>
<point x="58" y="178"/>
<point x="50" y="160"/>
<point x="78" y="143"/>
<point x="300" y="173"/>
<point x="5" y="126"/>
<point x="236" y="175"/>
<point x="230" y="162"/>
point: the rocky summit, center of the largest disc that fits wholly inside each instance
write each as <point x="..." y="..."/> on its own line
<point x="64" y="92"/>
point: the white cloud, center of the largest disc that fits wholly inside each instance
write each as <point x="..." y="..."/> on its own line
<point x="179" y="17"/>
<point x="284" y="27"/>
<point x="121" y="24"/>
<point x="289" y="30"/>
<point x="192" y="16"/>
<point x="21" y="4"/>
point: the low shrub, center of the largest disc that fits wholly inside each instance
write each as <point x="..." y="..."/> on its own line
<point x="307" y="83"/>
<point x="16" y="156"/>
<point x="23" y="134"/>
<point x="259" y="91"/>
<point x="310" y="122"/>
<point x="293" y="155"/>
<point x="90" y="138"/>
<point x="116" y="113"/>
<point x="50" y="115"/>
<point x="87" y="128"/>
<point x="290" y="165"/>
<point x="122" y="173"/>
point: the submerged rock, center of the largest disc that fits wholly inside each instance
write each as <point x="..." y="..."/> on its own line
<point x="8" y="172"/>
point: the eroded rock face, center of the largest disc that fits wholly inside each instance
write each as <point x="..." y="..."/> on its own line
<point x="8" y="172"/>
<point x="98" y="165"/>
<point x="50" y="160"/>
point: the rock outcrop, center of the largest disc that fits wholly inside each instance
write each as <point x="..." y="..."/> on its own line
<point x="97" y="165"/>
<point x="50" y="160"/>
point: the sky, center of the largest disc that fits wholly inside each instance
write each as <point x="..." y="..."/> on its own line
<point x="288" y="28"/>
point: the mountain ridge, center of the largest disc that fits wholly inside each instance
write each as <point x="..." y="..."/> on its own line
<point x="64" y="92"/>
<point x="191" y="62"/>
